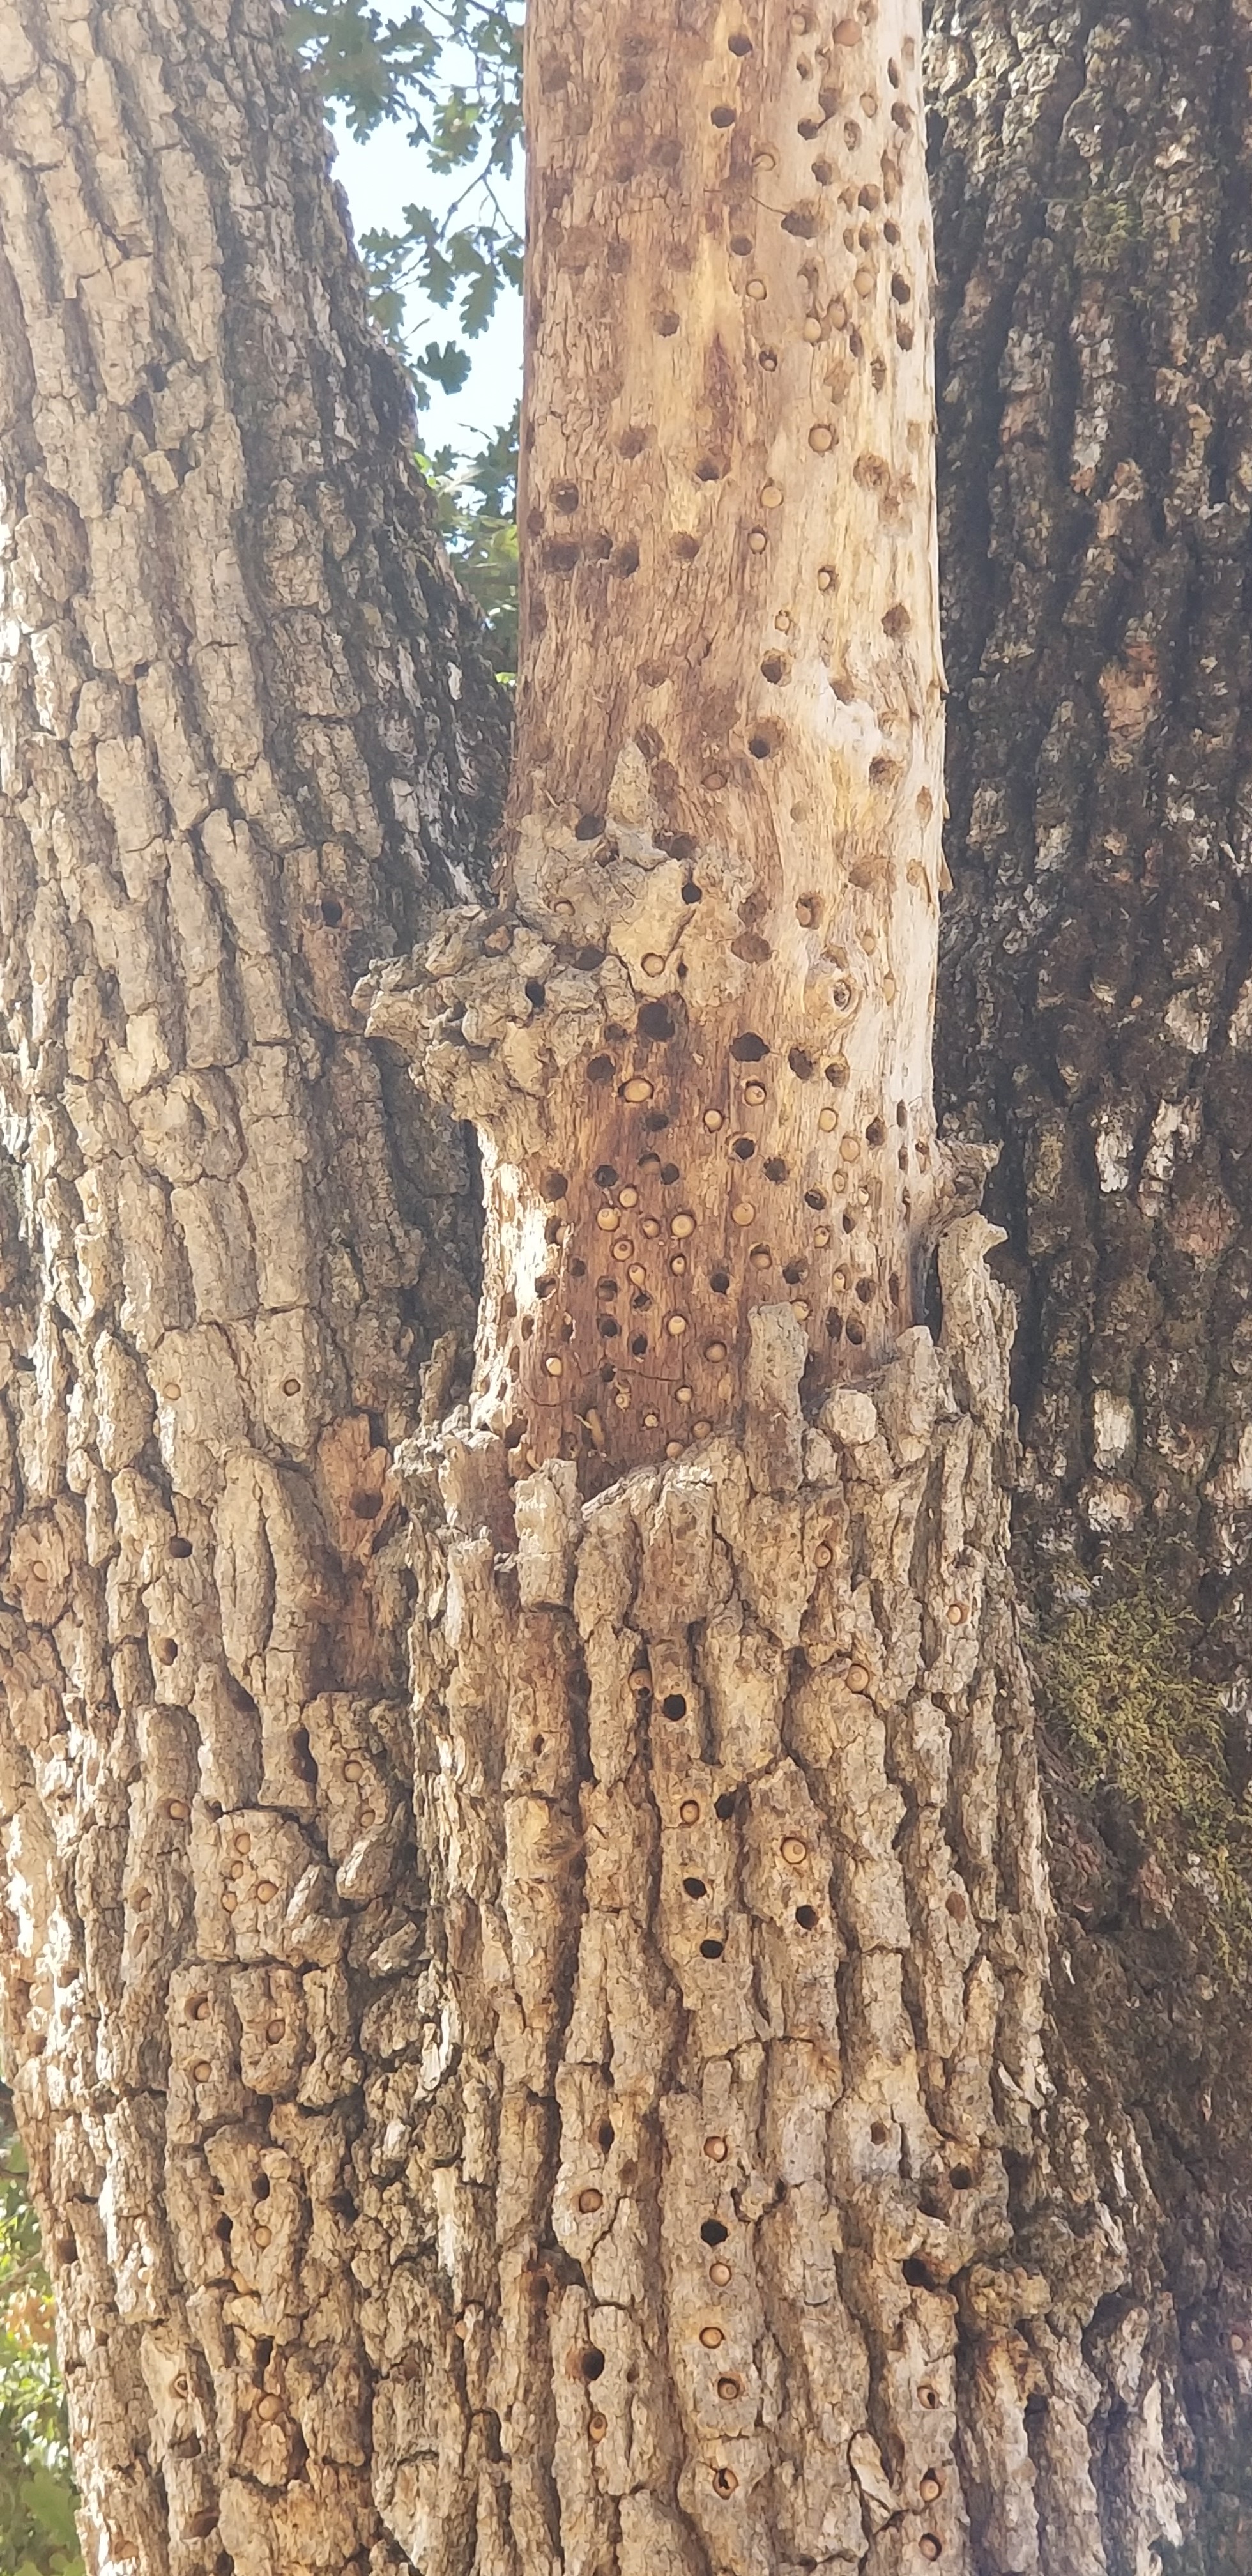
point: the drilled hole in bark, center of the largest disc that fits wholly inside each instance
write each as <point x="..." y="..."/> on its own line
<point x="865" y="1290"/>
<point x="554" y="1185"/>
<point x="961" y="2178"/>
<point x="180" y="1547"/>
<point x="739" y="44"/>
<point x="592" y="2362"/>
<point x="744" y="1147"/>
<point x="918" y="2274"/>
<point x="740" y="244"/>
<point x="655" y="1021"/>
<point x="673" y="1705"/>
<point x="608" y="1327"/>
<point x="793" y="1272"/>
<point x="528" y="1326"/>
<point x="605" y="1176"/>
<point x="879" y="2132"/>
<point x="834" y="1323"/>
<point x="774" y="1168"/>
<point x="589" y="827"/>
<point x="692" y="893"/>
<point x="722" y="116"/>
<point x="666" y="325"/>
<point x="719" y="1282"/>
<point x="694" y="1887"/>
<point x="600" y="1069"/>
<point x="565" y="497"/>
<point x="724" y="1807"/>
<point x="806" y="1917"/>
<point x="713" y="2232"/>
<point x="748" y="1048"/>
<point x="605" y="2135"/>
<point x="626" y="559"/>
<point x="815" y="1198"/>
<point x="855" y="1332"/>
<point x="167" y="1650"/>
<point x="332" y="912"/>
<point x="638" y="1345"/>
<point x="762" y="745"/>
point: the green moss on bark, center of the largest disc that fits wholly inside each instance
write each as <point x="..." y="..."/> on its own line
<point x="1118" y="1677"/>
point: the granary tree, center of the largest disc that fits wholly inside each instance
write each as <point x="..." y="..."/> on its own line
<point x="551" y="2023"/>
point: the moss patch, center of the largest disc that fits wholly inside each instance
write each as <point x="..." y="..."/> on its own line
<point x="1119" y="1680"/>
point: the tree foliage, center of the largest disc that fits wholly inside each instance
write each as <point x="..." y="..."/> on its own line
<point x="37" y="2536"/>
<point x="451" y="75"/>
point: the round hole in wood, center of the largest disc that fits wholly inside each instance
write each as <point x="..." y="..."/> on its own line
<point x="712" y="1949"/>
<point x="694" y="1887"/>
<point x="674" y="1704"/>
<point x="806" y="1917"/>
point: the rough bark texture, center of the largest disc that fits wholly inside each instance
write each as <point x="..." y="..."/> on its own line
<point x="695" y="1036"/>
<point x="760" y="2222"/>
<point x="712" y="2181"/>
<point x="1092" y="174"/>
<point x="1094" y="227"/>
<point x="246" y="739"/>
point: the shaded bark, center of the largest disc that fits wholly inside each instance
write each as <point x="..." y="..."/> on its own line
<point x="1094" y="230"/>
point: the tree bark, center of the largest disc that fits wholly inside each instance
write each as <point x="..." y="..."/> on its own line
<point x="249" y="742"/>
<point x="619" y="2095"/>
<point x="1094" y="231"/>
<point x="805" y="2232"/>
<point x="695" y="1035"/>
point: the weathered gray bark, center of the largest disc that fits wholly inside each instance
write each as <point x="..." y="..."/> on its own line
<point x="247" y="741"/>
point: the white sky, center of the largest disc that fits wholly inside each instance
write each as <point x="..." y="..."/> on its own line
<point x="383" y="176"/>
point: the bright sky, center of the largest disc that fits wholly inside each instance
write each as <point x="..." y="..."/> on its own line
<point x="381" y="178"/>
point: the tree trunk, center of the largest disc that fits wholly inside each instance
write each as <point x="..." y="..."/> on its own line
<point x="807" y="2229"/>
<point x="248" y="739"/>
<point x="1095" y="232"/>
<point x="597" y="2100"/>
